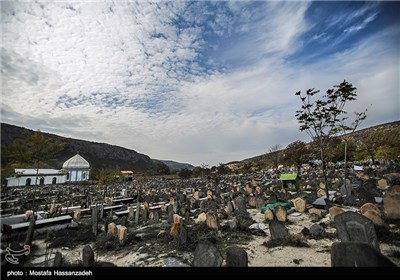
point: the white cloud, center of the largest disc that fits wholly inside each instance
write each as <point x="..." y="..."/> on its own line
<point x="125" y="73"/>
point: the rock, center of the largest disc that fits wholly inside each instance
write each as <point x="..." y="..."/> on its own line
<point x="177" y="219"/>
<point x="236" y="257"/>
<point x="353" y="227"/>
<point x="370" y="206"/>
<point x="277" y="230"/>
<point x="202" y="217"/>
<point x="260" y="202"/>
<point x="334" y="211"/>
<point x="393" y="178"/>
<point x="77" y="215"/>
<point x="374" y="216"/>
<point x="173" y="262"/>
<point x="382" y="184"/>
<point x="258" y="229"/>
<point x="87" y="256"/>
<point x="317" y="231"/>
<point x="207" y="255"/>
<point x="269" y="215"/>
<point x="391" y="202"/>
<point x="316" y="211"/>
<point x="253" y="202"/>
<point x="211" y="220"/>
<point x="111" y="230"/>
<point x="299" y="204"/>
<point x="280" y="213"/>
<point x="122" y="234"/>
<point x="350" y="254"/>
<point x="321" y="193"/>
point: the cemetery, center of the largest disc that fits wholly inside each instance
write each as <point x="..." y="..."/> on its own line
<point x="252" y="219"/>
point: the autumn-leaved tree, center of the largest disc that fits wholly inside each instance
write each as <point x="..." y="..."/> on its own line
<point x="323" y="118"/>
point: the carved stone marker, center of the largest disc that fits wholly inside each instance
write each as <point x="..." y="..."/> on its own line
<point x="207" y="255"/>
<point x="87" y="256"/>
<point x="277" y="230"/>
<point x="236" y="257"/>
<point x="353" y="227"/>
<point x="352" y="254"/>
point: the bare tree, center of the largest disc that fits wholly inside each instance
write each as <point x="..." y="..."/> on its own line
<point x="324" y="118"/>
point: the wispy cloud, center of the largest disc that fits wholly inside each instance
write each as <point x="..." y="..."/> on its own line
<point x="189" y="81"/>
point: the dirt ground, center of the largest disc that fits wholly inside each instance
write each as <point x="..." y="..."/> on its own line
<point x="155" y="252"/>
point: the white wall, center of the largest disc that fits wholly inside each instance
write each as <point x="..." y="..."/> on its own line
<point x="78" y="175"/>
<point x="48" y="180"/>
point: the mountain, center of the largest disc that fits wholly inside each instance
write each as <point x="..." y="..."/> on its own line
<point x="99" y="155"/>
<point x="391" y="128"/>
<point x="173" y="165"/>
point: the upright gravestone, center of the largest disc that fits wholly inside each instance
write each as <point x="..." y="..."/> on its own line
<point x="137" y="212"/>
<point x="350" y="254"/>
<point x="353" y="227"/>
<point x="260" y="203"/>
<point x="277" y="230"/>
<point x="207" y="255"/>
<point x="87" y="256"/>
<point x="229" y="208"/>
<point x="131" y="215"/>
<point x="240" y="205"/>
<point x="391" y="202"/>
<point x="95" y="220"/>
<point x="57" y="259"/>
<point x="181" y="238"/>
<point x="236" y="257"/>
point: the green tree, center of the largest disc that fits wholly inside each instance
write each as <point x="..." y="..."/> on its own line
<point x="185" y="173"/>
<point x="323" y="118"/>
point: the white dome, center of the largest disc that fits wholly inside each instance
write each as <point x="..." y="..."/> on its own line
<point x="76" y="162"/>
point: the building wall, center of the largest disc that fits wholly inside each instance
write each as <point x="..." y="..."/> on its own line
<point x="48" y="180"/>
<point x="77" y="175"/>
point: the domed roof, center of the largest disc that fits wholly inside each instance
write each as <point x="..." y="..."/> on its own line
<point x="76" y="162"/>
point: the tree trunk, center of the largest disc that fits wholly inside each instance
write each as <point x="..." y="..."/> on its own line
<point x="345" y="163"/>
<point x="325" y="175"/>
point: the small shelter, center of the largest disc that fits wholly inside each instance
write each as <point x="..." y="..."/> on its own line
<point x="77" y="169"/>
<point x="290" y="180"/>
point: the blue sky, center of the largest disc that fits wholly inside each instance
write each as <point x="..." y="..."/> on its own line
<point x="198" y="82"/>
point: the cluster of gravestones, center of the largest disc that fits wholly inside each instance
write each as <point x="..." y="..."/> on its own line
<point x="223" y="203"/>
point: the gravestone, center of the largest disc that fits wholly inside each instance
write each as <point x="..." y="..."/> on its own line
<point x="229" y="208"/>
<point x="187" y="216"/>
<point x="391" y="202"/>
<point x="260" y="203"/>
<point x="236" y="257"/>
<point x="87" y="256"/>
<point x="240" y="205"/>
<point x="57" y="259"/>
<point x="131" y="214"/>
<point x="181" y="237"/>
<point x="334" y="211"/>
<point x="370" y="206"/>
<point x="94" y="220"/>
<point x="353" y="227"/>
<point x="280" y="213"/>
<point x="374" y="216"/>
<point x="111" y="232"/>
<point x="346" y="189"/>
<point x="207" y="255"/>
<point x="156" y="217"/>
<point x="137" y="212"/>
<point x="277" y="230"/>
<point x="299" y="204"/>
<point x="252" y="202"/>
<point x="351" y="254"/>
<point x="211" y="220"/>
<point x="171" y="216"/>
<point x="269" y="215"/>
<point x="77" y="215"/>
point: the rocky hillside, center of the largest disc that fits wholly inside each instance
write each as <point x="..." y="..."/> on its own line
<point x="173" y="165"/>
<point x="99" y="155"/>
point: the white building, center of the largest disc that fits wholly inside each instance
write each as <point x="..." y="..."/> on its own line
<point x="77" y="169"/>
<point x="27" y="177"/>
